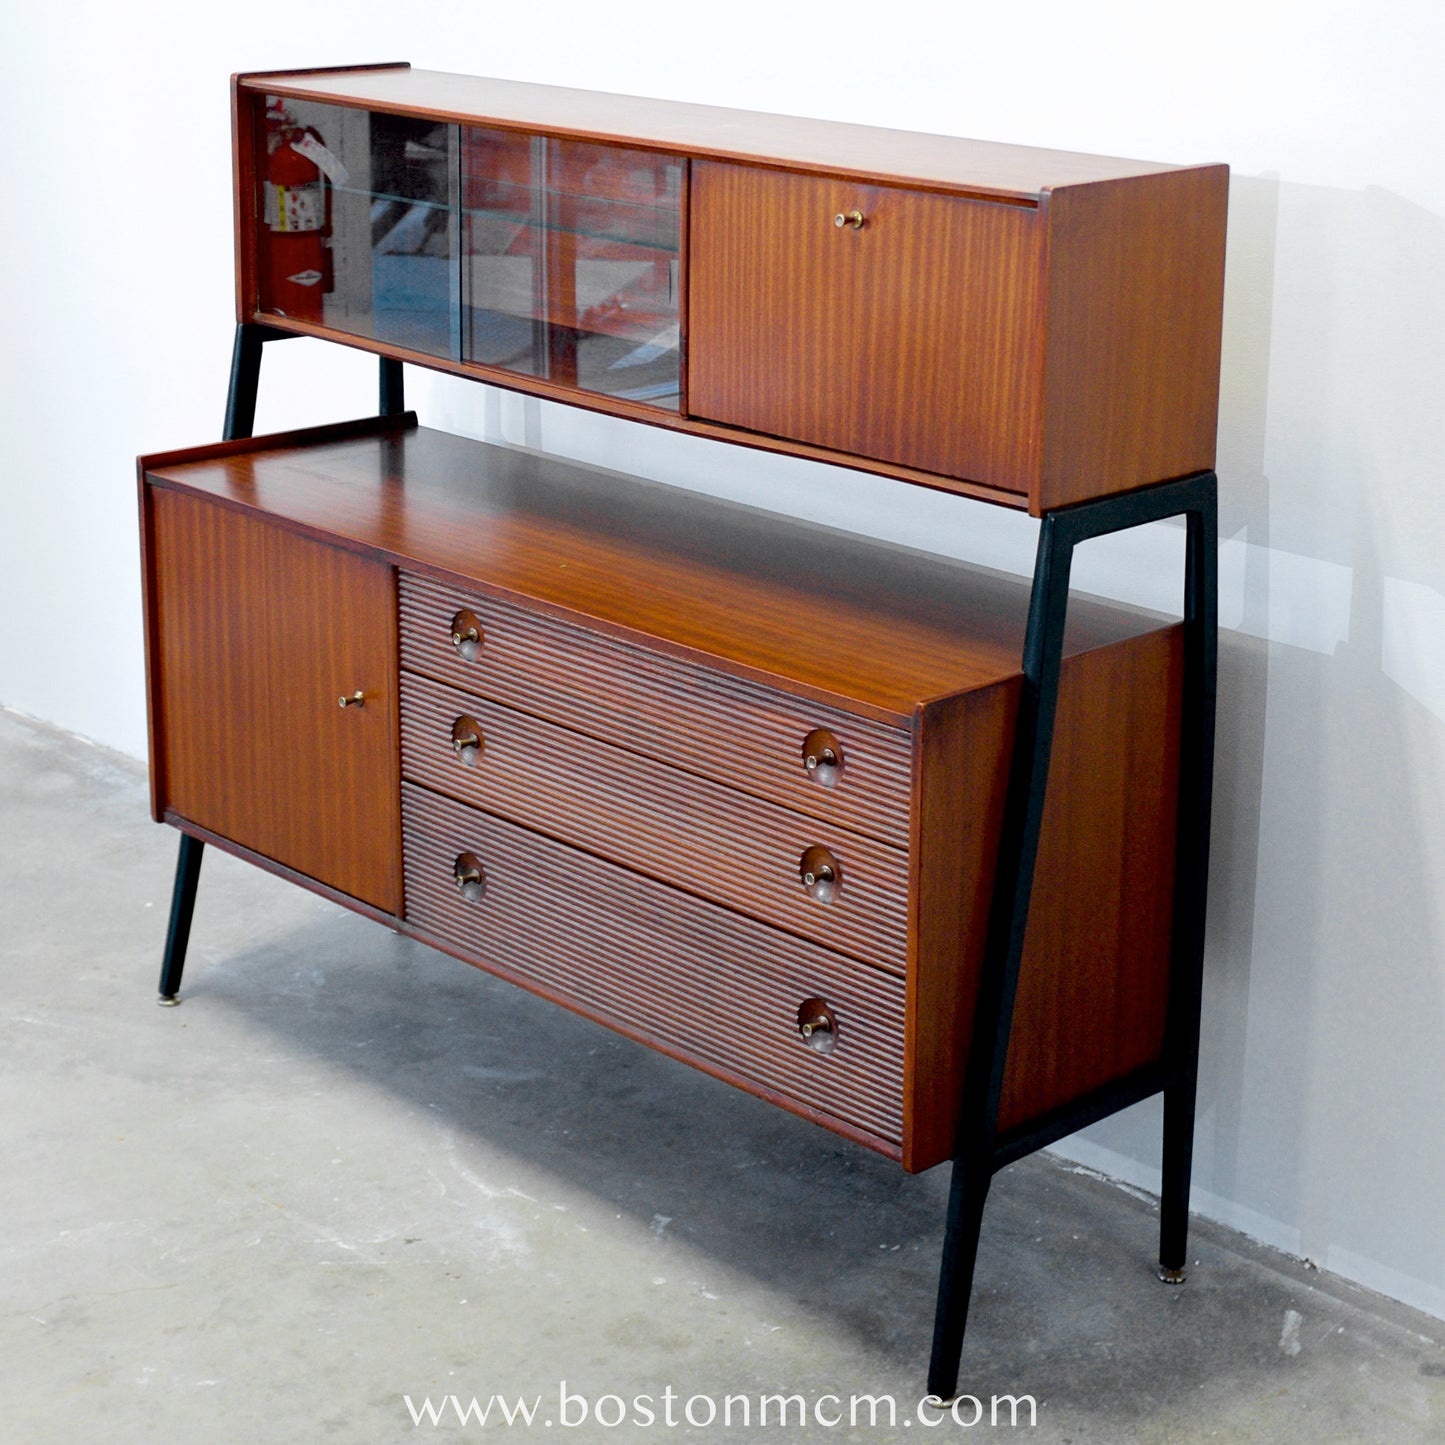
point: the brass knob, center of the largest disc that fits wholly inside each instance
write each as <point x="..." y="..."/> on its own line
<point x="854" y="219"/>
<point x="357" y="699"/>
<point x="820" y="873"/>
<point x="470" y="878"/>
<point x="822" y="757"/>
<point x="467" y="740"/>
<point x="467" y="634"/>
<point x="817" y="1025"/>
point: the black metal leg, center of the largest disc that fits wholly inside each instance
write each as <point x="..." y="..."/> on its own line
<point x="1174" y="1189"/>
<point x="1191" y="877"/>
<point x="183" y="904"/>
<point x="966" y="1196"/>
<point x="392" y="395"/>
<point x="240" y="419"/>
<point x="979" y="1153"/>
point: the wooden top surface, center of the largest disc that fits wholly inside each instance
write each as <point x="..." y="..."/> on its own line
<point x="865" y="624"/>
<point x="987" y="168"/>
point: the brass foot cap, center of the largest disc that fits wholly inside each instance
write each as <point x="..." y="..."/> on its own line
<point x="168" y="1000"/>
<point x="1172" y="1276"/>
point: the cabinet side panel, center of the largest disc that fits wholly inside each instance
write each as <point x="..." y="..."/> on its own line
<point x="154" y="733"/>
<point x="1134" y="308"/>
<point x="910" y="339"/>
<point x="258" y="632"/>
<point x="1093" y="986"/>
<point x="245" y="106"/>
<point x="961" y="782"/>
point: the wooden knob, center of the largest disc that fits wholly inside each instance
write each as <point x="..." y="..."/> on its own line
<point x="469" y="876"/>
<point x="820" y="874"/>
<point x="817" y="1025"/>
<point x="467" y="740"/>
<point x="822" y="757"/>
<point x="467" y="635"/>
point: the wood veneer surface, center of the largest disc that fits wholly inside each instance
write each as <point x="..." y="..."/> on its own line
<point x="989" y="168"/>
<point x="1133" y="327"/>
<point x="693" y="718"/>
<point x="258" y="632"/>
<point x="912" y="339"/>
<point x="692" y="833"/>
<point x="875" y="627"/>
<point x="708" y="985"/>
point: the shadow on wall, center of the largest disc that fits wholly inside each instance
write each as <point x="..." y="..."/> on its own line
<point x="1321" y="1124"/>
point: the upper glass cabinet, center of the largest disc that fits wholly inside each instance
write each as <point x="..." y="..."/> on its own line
<point x="549" y="258"/>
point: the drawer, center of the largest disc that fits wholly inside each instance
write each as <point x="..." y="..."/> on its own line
<point x="714" y="988"/>
<point x="680" y="828"/>
<point x="742" y="734"/>
<point x="915" y="338"/>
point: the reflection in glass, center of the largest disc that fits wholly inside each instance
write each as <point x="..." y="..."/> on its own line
<point x="357" y="223"/>
<point x="564" y="265"/>
<point x="570" y="262"/>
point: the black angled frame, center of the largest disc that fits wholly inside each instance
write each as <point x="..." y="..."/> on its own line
<point x="981" y="1149"/>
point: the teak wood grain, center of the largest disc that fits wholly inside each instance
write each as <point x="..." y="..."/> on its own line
<point x="873" y="627"/>
<point x="1093" y="982"/>
<point x="912" y="339"/>
<point x="697" y="834"/>
<point x="623" y="627"/>
<point x="1093" y="986"/>
<point x="257" y="633"/>
<point x="714" y="987"/>
<point x="1029" y="327"/>
<point x="689" y="717"/>
<point x="934" y="162"/>
<point x="1133" y="327"/>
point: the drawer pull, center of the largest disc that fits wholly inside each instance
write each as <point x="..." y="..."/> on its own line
<point x="467" y="740"/>
<point x="467" y="635"/>
<point x="822" y="757"/>
<point x="471" y="880"/>
<point x="357" y="699"/>
<point x="820" y="874"/>
<point x="817" y="1025"/>
<point x="854" y="219"/>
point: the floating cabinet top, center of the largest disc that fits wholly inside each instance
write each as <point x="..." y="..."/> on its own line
<point x="1030" y="327"/>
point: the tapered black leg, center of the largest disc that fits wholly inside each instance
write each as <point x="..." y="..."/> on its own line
<point x="979" y="1151"/>
<point x="240" y="419"/>
<point x="1196" y="785"/>
<point x="183" y="904"/>
<point x="966" y="1197"/>
<point x="1174" y="1190"/>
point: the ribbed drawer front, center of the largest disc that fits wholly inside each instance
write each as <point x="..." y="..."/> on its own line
<point x="678" y="827"/>
<point x="739" y="733"/>
<point x="718" y="988"/>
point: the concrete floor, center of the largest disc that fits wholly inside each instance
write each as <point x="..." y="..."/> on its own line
<point x="348" y="1171"/>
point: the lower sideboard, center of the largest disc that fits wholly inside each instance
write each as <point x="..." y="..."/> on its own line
<point x="726" y="782"/>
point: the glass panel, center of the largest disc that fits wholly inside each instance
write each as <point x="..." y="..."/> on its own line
<point x="357" y="223"/>
<point x="570" y="262"/>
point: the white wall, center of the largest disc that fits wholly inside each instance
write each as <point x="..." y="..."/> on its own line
<point x="1321" y="1126"/>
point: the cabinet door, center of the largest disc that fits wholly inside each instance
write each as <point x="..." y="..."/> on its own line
<point x="256" y="635"/>
<point x="912" y="337"/>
